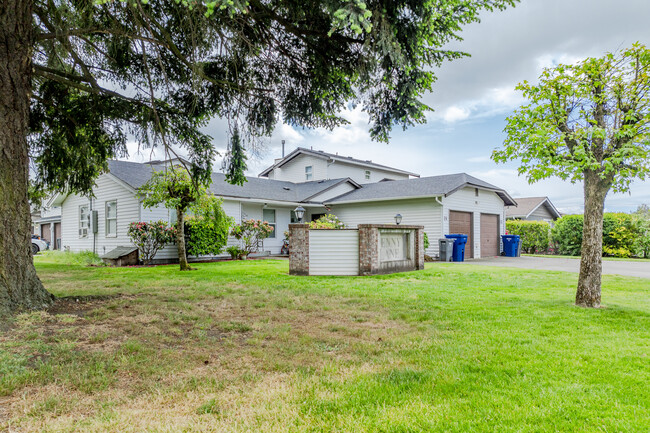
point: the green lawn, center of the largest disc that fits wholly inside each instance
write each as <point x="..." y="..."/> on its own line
<point x="244" y="347"/>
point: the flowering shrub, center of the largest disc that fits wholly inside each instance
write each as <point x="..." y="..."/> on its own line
<point x="149" y="237"/>
<point x="328" y="221"/>
<point x="251" y="232"/>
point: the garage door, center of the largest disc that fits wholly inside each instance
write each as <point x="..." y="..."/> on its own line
<point x="46" y="234"/>
<point x="461" y="223"/>
<point x="489" y="235"/>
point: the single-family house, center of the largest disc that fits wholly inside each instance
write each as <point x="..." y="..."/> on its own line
<point x="357" y="191"/>
<point x="533" y="209"/>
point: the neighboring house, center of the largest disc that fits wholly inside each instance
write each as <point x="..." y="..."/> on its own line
<point x="46" y="223"/>
<point x="533" y="209"/>
<point x="457" y="203"/>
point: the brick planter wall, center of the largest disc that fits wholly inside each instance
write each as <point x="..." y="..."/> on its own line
<point x="299" y="249"/>
<point x="370" y="250"/>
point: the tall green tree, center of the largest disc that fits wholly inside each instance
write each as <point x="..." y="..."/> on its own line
<point x="80" y="77"/>
<point x="173" y="188"/>
<point x="236" y="161"/>
<point x="586" y="122"/>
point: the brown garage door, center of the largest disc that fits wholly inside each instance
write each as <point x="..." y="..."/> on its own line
<point x="489" y="235"/>
<point x="46" y="234"/>
<point x="461" y="223"/>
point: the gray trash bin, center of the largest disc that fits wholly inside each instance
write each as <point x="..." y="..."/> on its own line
<point x="446" y="248"/>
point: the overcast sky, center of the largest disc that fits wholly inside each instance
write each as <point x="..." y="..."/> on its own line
<point x="473" y="96"/>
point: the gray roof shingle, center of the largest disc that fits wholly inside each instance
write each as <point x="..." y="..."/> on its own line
<point x="422" y="187"/>
<point x="526" y="205"/>
<point x="333" y="156"/>
<point x="136" y="174"/>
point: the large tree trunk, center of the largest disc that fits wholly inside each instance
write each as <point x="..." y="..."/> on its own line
<point x="591" y="262"/>
<point x="19" y="285"/>
<point x="180" y="240"/>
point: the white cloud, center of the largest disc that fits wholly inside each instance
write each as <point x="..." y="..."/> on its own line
<point x="456" y="113"/>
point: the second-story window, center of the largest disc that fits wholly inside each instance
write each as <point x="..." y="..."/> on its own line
<point x="367" y="174"/>
<point x="308" y="172"/>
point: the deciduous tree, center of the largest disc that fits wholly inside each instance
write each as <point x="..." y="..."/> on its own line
<point x="173" y="188"/>
<point x="586" y="122"/>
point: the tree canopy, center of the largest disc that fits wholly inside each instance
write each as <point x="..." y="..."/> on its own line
<point x="591" y="116"/>
<point x="158" y="70"/>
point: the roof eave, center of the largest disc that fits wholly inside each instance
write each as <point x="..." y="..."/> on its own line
<point x="369" y="200"/>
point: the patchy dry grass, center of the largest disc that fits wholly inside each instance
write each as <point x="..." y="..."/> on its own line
<point x="235" y="347"/>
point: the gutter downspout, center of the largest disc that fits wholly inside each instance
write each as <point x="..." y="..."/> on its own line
<point x="442" y="217"/>
<point x="91" y="227"/>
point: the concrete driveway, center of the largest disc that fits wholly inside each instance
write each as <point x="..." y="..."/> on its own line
<point x="630" y="268"/>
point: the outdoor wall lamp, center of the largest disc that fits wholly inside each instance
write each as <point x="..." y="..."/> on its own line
<point x="398" y="219"/>
<point x="300" y="212"/>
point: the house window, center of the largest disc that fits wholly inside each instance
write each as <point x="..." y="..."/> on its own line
<point x="111" y="218"/>
<point x="308" y="172"/>
<point x="84" y="221"/>
<point x="268" y="215"/>
<point x="476" y="192"/>
<point x="367" y="174"/>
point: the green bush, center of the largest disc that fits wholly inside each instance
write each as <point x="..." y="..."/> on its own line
<point x="642" y="242"/>
<point x="534" y="234"/>
<point x="426" y="241"/>
<point x="206" y="230"/>
<point x="621" y="233"/>
<point x="236" y="252"/>
<point x="328" y="221"/>
<point x="566" y="235"/>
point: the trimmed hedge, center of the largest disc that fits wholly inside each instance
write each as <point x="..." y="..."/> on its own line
<point x="622" y="235"/>
<point x="534" y="235"/>
<point x="206" y="231"/>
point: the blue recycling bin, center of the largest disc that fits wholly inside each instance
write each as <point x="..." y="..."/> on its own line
<point x="510" y="245"/>
<point x="459" y="246"/>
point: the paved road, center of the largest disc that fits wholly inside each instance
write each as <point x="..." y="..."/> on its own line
<point x="628" y="268"/>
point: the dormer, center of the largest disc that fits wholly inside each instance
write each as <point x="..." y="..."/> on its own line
<point x="305" y="165"/>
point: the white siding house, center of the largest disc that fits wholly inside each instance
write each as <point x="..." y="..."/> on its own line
<point x="303" y="165"/>
<point x="361" y="194"/>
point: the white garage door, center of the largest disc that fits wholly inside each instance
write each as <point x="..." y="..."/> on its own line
<point x="333" y="252"/>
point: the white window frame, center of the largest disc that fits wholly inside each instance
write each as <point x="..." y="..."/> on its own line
<point x="107" y="219"/>
<point x="309" y="172"/>
<point x="273" y="224"/>
<point x="84" y="223"/>
<point x="367" y="174"/>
